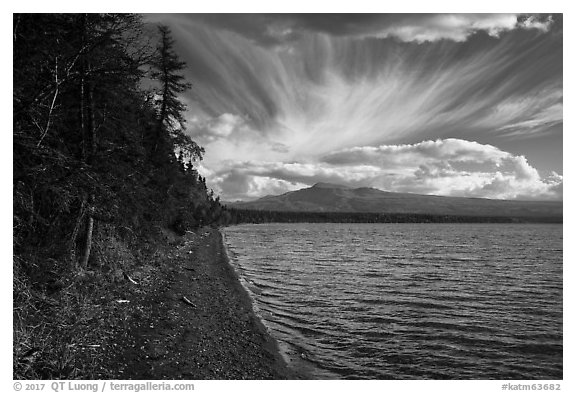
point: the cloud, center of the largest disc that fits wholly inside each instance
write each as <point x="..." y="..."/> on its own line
<point x="451" y="167"/>
<point x="527" y="114"/>
<point x="443" y="167"/>
<point x="449" y="27"/>
<point x="253" y="179"/>
<point x="284" y="100"/>
<point x="406" y="155"/>
<point x="278" y="29"/>
<point x="211" y="129"/>
<point x="332" y="90"/>
<point x="234" y="184"/>
<point x="542" y="23"/>
<point x="241" y="184"/>
<point x="331" y="93"/>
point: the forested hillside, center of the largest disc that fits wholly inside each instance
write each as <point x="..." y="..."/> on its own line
<point x="102" y="170"/>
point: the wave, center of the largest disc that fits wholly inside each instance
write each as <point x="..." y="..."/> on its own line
<point x="411" y="304"/>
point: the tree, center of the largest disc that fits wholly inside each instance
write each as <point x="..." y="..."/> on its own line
<point x="181" y="163"/>
<point x="84" y="177"/>
<point x="167" y="70"/>
<point x="83" y="127"/>
<point x="71" y="71"/>
<point x="111" y="54"/>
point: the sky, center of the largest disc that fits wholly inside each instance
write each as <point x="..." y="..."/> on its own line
<point x="443" y="104"/>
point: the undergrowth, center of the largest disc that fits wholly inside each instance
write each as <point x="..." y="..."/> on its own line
<point x="60" y="326"/>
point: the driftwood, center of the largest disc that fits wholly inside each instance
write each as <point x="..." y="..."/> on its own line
<point x="187" y="301"/>
<point x="127" y="277"/>
<point x="90" y="346"/>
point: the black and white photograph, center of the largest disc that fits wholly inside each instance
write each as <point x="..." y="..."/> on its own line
<point x="287" y="196"/>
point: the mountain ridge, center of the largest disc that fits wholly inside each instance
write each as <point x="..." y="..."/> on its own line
<point x="328" y="197"/>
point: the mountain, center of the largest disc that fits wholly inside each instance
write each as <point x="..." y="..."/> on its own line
<point x="325" y="197"/>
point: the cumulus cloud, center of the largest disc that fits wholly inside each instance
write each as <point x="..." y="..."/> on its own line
<point x="253" y="179"/>
<point x="440" y="167"/>
<point x="243" y="184"/>
<point x="536" y="22"/>
<point x="451" y="27"/>
<point x="212" y="129"/>
<point x="387" y="156"/>
<point x="434" y="167"/>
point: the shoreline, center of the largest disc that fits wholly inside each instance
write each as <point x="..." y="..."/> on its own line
<point x="288" y="356"/>
<point x="216" y="335"/>
<point x="249" y="299"/>
<point x="281" y="357"/>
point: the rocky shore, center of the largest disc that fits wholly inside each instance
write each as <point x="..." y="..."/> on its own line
<point x="190" y="318"/>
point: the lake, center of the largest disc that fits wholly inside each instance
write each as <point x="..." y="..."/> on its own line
<point x="408" y="301"/>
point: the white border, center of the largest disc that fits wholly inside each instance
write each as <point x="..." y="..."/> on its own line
<point x="230" y="6"/>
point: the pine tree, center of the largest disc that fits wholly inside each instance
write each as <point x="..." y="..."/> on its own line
<point x="189" y="167"/>
<point x="167" y="69"/>
<point x="181" y="164"/>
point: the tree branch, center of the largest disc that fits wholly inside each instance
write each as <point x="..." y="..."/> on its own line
<point x="47" y="128"/>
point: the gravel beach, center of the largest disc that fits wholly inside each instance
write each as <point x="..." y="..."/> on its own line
<point x="190" y="318"/>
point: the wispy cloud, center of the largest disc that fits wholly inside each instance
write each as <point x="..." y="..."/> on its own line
<point x="288" y="89"/>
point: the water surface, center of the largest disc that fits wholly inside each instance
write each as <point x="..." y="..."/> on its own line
<point x="408" y="301"/>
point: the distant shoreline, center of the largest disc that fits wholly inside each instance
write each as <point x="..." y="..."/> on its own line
<point x="245" y="216"/>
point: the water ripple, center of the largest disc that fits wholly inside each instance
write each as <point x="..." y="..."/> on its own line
<point x="409" y="301"/>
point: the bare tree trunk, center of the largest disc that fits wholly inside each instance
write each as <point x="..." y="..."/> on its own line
<point x="90" y="152"/>
<point x="16" y="24"/>
<point x="88" y="244"/>
<point x="74" y="236"/>
<point x="87" y="128"/>
<point x="91" y="122"/>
